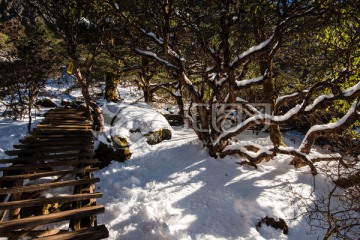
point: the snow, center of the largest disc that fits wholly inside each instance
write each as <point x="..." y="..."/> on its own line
<point x="322" y="127"/>
<point x="317" y="101"/>
<point x="153" y="55"/>
<point x="279" y="99"/>
<point x="221" y="81"/>
<point x="245" y="82"/>
<point x="132" y="121"/>
<point x="251" y="50"/>
<point x="153" y="35"/>
<point x="178" y="93"/>
<point x="350" y="91"/>
<point x="177" y="191"/>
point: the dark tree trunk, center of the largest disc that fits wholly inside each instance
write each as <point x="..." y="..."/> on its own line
<point x="98" y="118"/>
<point x="111" y="83"/>
<point x="270" y="98"/>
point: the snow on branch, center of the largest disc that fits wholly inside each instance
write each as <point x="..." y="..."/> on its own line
<point x="259" y="119"/>
<point x="290" y="96"/>
<point x="255" y="154"/>
<point x="152" y="35"/>
<point x="251" y="50"/>
<point x="320" y="130"/>
<point x="157" y="58"/>
<point x="248" y="82"/>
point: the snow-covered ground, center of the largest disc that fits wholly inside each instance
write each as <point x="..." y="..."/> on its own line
<point x="175" y="190"/>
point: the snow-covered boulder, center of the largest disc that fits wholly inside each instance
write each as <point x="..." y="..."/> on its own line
<point x="136" y="123"/>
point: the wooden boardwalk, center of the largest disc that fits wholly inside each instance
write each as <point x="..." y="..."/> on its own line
<point x="50" y="183"/>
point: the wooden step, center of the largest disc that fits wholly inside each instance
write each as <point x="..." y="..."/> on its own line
<point x="66" y="116"/>
<point x="48" y="157"/>
<point x="67" y="122"/>
<point x="48" y="150"/>
<point x="93" y="233"/>
<point x="70" y="113"/>
<point x="54" y="138"/>
<point x="44" y="186"/>
<point x="59" y="146"/>
<point x="59" y="109"/>
<point x="51" y="200"/>
<point x="67" y="142"/>
<point x="61" y="131"/>
<point x="30" y="234"/>
<point x="33" y="176"/>
<point x="34" y="166"/>
<point x="50" y="218"/>
<point x="63" y="126"/>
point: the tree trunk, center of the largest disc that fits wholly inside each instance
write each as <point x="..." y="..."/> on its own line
<point x="98" y="117"/>
<point x="111" y="83"/>
<point x="269" y="97"/>
<point x="31" y="102"/>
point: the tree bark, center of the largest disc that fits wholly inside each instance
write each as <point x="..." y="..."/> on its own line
<point x="111" y="83"/>
<point x="98" y="117"/>
<point x="269" y="97"/>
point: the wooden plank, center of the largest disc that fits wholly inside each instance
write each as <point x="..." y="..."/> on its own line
<point x="66" y="113"/>
<point x="93" y="233"/>
<point x="69" y="142"/>
<point x="30" y="234"/>
<point x="62" y="131"/>
<point x="66" y="109"/>
<point x="43" y="201"/>
<point x="56" y="140"/>
<point x="67" y="123"/>
<point x="63" y="126"/>
<point x="45" y="174"/>
<point x="62" y="145"/>
<point x="50" y="218"/>
<point x="48" y="157"/>
<point x="34" y="166"/>
<point x="66" y="117"/>
<point x="59" y="137"/>
<point x="48" y="150"/>
<point x="44" y="186"/>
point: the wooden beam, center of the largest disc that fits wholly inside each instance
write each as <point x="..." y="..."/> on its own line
<point x="43" y="186"/>
<point x="43" y="201"/>
<point x="30" y="234"/>
<point x="69" y="142"/>
<point x="94" y="233"/>
<point x="34" y="166"/>
<point x="45" y="157"/>
<point x="47" y="139"/>
<point x="50" y="218"/>
<point x="48" y="150"/>
<point x="45" y="174"/>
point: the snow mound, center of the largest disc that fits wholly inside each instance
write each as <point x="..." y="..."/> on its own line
<point x="132" y="122"/>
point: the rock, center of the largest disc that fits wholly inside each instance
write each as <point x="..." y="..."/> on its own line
<point x="158" y="136"/>
<point x="166" y="134"/>
<point x="46" y="103"/>
<point x="106" y="153"/>
<point x="269" y="221"/>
